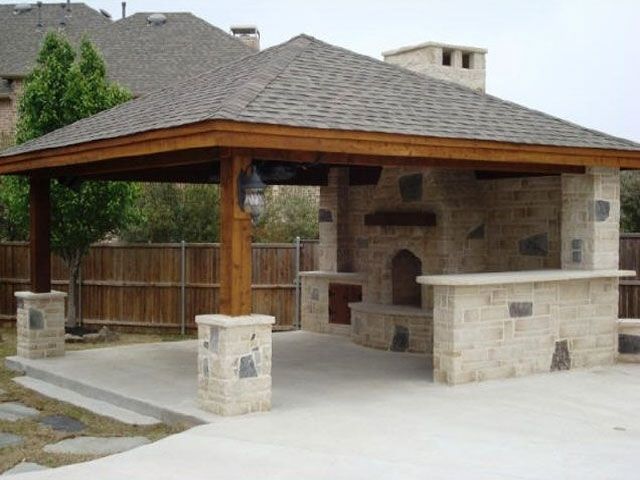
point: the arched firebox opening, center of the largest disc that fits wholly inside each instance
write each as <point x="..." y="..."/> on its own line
<point x="405" y="267"/>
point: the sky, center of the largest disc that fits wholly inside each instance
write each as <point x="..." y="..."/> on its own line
<point x="576" y="59"/>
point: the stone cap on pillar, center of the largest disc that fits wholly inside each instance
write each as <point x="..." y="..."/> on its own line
<point x="25" y="295"/>
<point x="228" y="321"/>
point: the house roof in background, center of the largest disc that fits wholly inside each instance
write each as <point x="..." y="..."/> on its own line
<point x="20" y="36"/>
<point x="139" y="56"/>
<point x="308" y="83"/>
<point x="145" y="57"/>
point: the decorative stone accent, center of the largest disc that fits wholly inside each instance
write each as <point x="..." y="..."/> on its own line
<point x="520" y="309"/>
<point x="536" y="245"/>
<point x="234" y="358"/>
<point x="628" y="343"/>
<point x="573" y="324"/>
<point x="40" y="324"/>
<point x="477" y="233"/>
<point x="411" y="187"/>
<point x="561" y="359"/>
<point x="603" y="209"/>
<point x="392" y="327"/>
<point x="400" y="342"/>
<point x="324" y="215"/>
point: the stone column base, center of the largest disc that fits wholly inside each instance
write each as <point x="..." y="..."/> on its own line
<point x="40" y="324"/>
<point x="234" y="363"/>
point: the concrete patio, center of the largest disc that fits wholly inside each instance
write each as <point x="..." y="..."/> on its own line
<point x="344" y="411"/>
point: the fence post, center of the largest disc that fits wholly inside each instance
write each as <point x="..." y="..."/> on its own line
<point x="183" y="296"/>
<point x="297" y="282"/>
<point x="80" y="320"/>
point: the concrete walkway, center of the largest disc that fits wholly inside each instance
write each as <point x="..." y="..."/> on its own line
<point x="345" y="412"/>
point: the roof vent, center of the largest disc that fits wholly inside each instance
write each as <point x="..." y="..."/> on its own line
<point x="105" y="13"/>
<point x="248" y="34"/>
<point x="22" y="8"/>
<point x="156" y="19"/>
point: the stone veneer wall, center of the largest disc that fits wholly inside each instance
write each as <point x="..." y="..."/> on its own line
<point x="500" y="331"/>
<point x="523" y="223"/>
<point x="395" y="328"/>
<point x="591" y="219"/>
<point x="449" y="247"/>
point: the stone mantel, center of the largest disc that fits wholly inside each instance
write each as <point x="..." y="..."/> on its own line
<point x="526" y="276"/>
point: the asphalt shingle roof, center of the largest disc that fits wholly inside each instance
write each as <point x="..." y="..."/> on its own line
<point x="308" y="83"/>
<point x="139" y="56"/>
<point x="144" y="57"/>
<point x="20" y="36"/>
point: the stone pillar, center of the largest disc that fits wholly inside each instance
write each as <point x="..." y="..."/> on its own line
<point x="234" y="363"/>
<point x="334" y="252"/>
<point x="591" y="219"/>
<point x="40" y="323"/>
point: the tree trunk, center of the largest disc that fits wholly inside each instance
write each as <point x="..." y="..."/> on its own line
<point x="73" y="297"/>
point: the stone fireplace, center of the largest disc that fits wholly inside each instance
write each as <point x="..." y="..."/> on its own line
<point x="403" y="233"/>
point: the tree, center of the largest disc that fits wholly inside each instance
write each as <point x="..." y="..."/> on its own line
<point x="176" y="212"/>
<point x="290" y="212"/>
<point x="63" y="88"/>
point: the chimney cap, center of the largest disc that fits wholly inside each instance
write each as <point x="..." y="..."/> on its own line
<point x="245" y="30"/>
<point x="446" y="46"/>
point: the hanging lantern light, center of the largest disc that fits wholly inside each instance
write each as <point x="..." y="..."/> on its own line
<point x="251" y="191"/>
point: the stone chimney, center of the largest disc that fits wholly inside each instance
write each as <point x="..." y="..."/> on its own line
<point x="463" y="65"/>
<point x="249" y="34"/>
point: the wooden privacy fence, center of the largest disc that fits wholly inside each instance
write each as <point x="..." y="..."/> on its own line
<point x="156" y="285"/>
<point x="630" y="288"/>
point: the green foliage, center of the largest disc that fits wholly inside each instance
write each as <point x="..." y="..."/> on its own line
<point x="176" y="212"/>
<point x="630" y="201"/>
<point x="290" y="212"/>
<point x="61" y="89"/>
<point x="79" y="217"/>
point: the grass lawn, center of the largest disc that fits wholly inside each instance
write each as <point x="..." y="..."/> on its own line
<point x="36" y="436"/>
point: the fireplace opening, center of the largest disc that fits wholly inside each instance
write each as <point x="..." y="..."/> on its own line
<point x="405" y="267"/>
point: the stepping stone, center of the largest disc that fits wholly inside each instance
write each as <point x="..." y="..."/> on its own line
<point x="13" y="411"/>
<point x="62" y="423"/>
<point x="25" y="467"/>
<point x="96" y="445"/>
<point x="9" y="440"/>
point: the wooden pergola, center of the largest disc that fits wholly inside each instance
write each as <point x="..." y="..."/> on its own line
<point x="262" y="117"/>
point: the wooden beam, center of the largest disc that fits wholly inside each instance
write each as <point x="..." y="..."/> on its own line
<point x="39" y="234"/>
<point x="224" y="133"/>
<point x="235" y="233"/>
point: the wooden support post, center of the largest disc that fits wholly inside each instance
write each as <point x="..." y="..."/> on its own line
<point x="235" y="248"/>
<point x="39" y="234"/>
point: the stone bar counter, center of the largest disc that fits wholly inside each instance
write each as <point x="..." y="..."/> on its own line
<point x="509" y="324"/>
